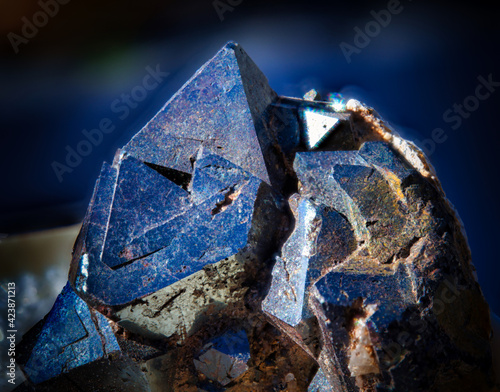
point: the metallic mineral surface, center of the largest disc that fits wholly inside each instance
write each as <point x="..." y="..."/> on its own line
<point x="224" y="358"/>
<point x="243" y="241"/>
<point x="72" y="335"/>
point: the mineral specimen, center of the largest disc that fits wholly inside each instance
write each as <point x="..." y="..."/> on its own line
<point x="72" y="336"/>
<point x="243" y="241"/>
<point x="225" y="357"/>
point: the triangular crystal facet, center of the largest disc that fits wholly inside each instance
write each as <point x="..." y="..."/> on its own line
<point x="318" y="127"/>
<point x="220" y="108"/>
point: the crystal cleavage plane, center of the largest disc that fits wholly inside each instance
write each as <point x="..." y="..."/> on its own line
<point x="244" y="241"/>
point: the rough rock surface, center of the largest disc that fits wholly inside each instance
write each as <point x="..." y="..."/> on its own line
<point x="243" y="241"/>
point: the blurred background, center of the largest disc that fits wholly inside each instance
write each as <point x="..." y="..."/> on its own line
<point x="66" y="66"/>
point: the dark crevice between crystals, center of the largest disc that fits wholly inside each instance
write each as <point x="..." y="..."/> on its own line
<point x="290" y="185"/>
<point x="176" y="176"/>
<point x="405" y="251"/>
<point x="229" y="197"/>
<point x="272" y="129"/>
<point x="371" y="173"/>
<point x="390" y="259"/>
<point x="287" y="227"/>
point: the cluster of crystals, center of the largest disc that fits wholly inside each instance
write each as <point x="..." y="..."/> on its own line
<point x="227" y="180"/>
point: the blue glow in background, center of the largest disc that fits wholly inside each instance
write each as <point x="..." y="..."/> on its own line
<point x="65" y="78"/>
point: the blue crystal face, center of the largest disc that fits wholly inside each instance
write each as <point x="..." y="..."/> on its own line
<point x="319" y="233"/>
<point x="146" y="198"/>
<point x="219" y="108"/>
<point x="340" y="288"/>
<point x="225" y="357"/>
<point x="179" y="234"/>
<point x="181" y="194"/>
<point x="72" y="335"/>
<point x="285" y="299"/>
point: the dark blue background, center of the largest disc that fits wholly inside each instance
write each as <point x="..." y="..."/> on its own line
<point x="64" y="80"/>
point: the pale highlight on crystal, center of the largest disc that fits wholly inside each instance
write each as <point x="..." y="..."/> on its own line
<point x="318" y="126"/>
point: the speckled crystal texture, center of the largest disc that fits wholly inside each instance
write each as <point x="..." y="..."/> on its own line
<point x="243" y="241"/>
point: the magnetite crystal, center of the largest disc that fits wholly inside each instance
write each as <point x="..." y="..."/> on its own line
<point x="243" y="241"/>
